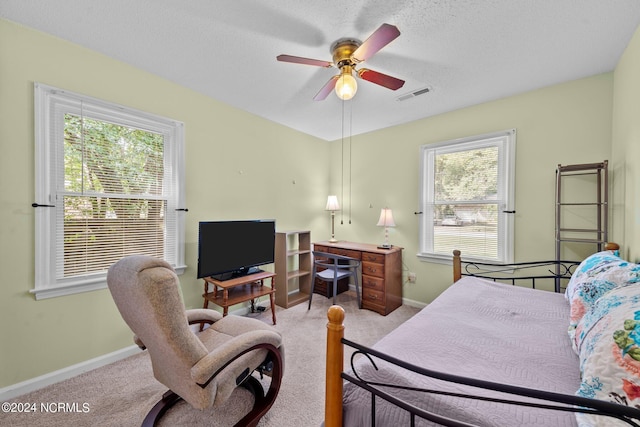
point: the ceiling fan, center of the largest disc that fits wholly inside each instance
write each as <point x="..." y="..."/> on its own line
<point x="347" y="53"/>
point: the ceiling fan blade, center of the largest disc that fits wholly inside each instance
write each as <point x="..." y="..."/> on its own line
<point x="306" y="61"/>
<point x="326" y="89"/>
<point x="381" y="37"/>
<point x="380" y="79"/>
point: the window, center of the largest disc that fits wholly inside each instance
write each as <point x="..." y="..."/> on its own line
<point x="109" y="183"/>
<point x="467" y="198"/>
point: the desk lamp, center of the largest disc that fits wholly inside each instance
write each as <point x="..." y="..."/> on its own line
<point x="332" y="205"/>
<point x="386" y="221"/>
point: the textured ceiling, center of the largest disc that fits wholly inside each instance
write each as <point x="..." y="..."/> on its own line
<point x="466" y="51"/>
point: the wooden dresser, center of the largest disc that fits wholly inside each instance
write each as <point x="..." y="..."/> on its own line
<point x="381" y="273"/>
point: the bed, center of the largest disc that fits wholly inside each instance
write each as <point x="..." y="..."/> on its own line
<point x="492" y="352"/>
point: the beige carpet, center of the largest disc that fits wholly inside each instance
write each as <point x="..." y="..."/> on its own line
<point x="120" y="394"/>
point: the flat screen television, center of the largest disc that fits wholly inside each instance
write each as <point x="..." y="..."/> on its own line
<point x="228" y="249"/>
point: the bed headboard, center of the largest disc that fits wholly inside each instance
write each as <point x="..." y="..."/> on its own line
<point x="532" y="271"/>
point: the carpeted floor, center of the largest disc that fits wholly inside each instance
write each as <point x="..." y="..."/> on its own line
<point x="120" y="394"/>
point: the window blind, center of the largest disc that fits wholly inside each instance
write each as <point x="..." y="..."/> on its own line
<point x="465" y="202"/>
<point x="112" y="196"/>
<point x="466" y="191"/>
<point x="113" y="176"/>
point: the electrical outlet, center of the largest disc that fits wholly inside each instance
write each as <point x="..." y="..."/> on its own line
<point x="411" y="277"/>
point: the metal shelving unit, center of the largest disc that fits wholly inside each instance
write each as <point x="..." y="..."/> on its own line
<point x="582" y="195"/>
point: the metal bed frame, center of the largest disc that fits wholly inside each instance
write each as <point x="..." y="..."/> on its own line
<point x="548" y="400"/>
<point x="555" y="271"/>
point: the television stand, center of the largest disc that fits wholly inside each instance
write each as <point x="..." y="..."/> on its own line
<point x="235" y="274"/>
<point x="226" y="293"/>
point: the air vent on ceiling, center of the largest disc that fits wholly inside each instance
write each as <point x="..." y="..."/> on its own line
<point x="414" y="93"/>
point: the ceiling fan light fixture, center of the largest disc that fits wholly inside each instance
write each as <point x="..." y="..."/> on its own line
<point x="347" y="53"/>
<point x="346" y="86"/>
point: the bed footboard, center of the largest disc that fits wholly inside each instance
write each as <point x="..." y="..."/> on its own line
<point x="335" y="362"/>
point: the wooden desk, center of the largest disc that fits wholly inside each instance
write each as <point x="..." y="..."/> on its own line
<point x="381" y="272"/>
<point x="240" y="289"/>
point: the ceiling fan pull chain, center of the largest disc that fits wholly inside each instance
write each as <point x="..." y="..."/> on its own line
<point x="342" y="164"/>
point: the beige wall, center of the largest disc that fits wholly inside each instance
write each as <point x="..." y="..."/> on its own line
<point x="626" y="150"/>
<point x="240" y="166"/>
<point x="563" y="124"/>
<point x="237" y="166"/>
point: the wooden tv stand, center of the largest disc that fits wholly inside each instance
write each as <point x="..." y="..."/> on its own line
<point x="240" y="289"/>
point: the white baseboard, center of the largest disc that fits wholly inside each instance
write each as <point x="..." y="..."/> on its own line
<point x="414" y="303"/>
<point x="18" y="389"/>
<point x="36" y="383"/>
<point x="246" y="309"/>
<point x="409" y="302"/>
<point x="406" y="301"/>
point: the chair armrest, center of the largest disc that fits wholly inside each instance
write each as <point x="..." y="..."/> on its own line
<point x="194" y="315"/>
<point x="139" y="342"/>
<point x="202" y="315"/>
<point x="212" y="363"/>
<point x="332" y="260"/>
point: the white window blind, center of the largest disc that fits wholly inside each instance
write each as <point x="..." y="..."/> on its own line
<point x="467" y="198"/>
<point x="111" y="180"/>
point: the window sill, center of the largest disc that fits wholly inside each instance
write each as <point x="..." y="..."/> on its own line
<point x="435" y="258"/>
<point x="76" y="288"/>
<point x="448" y="259"/>
<point x="59" y="291"/>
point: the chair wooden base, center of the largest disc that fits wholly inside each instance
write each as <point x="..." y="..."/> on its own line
<point x="261" y="405"/>
<point x="169" y="399"/>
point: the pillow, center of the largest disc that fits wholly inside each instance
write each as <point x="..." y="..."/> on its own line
<point x="594" y="277"/>
<point x="609" y="352"/>
<point x="592" y="265"/>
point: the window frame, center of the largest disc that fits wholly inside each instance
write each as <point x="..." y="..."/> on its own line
<point x="50" y="104"/>
<point x="506" y="142"/>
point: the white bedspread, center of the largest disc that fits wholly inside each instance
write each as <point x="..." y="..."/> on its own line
<point x="484" y="330"/>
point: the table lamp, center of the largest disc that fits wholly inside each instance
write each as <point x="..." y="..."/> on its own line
<point x="332" y="205"/>
<point x="386" y="221"/>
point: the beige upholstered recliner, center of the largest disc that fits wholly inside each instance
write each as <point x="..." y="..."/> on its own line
<point x="202" y="368"/>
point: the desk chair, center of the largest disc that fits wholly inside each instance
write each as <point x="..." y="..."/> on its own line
<point x="201" y="368"/>
<point x="331" y="268"/>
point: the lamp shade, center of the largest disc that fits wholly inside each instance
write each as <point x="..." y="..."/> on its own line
<point x="386" y="218"/>
<point x="332" y="204"/>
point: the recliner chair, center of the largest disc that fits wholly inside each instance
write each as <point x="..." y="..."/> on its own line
<point x="202" y="368"/>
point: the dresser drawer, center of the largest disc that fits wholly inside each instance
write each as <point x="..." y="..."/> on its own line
<point x="378" y="308"/>
<point x="372" y="283"/>
<point x="337" y="251"/>
<point x="371" y="257"/>
<point x="372" y="269"/>
<point x="372" y="296"/>
<point x="345" y="252"/>
<point x="320" y="248"/>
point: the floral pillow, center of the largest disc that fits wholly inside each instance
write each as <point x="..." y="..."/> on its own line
<point x="609" y="352"/>
<point x="588" y="268"/>
<point x="594" y="277"/>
